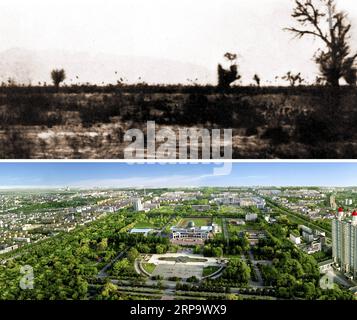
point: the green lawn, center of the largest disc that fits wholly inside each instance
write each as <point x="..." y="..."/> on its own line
<point x="164" y="209"/>
<point x="144" y="225"/>
<point x="209" y="270"/>
<point x="234" y="228"/>
<point x="149" y="267"/>
<point x="224" y="209"/>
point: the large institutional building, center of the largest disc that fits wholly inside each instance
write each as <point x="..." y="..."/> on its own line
<point x="344" y="242"/>
<point x="191" y="233"/>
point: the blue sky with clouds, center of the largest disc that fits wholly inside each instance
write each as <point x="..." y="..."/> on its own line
<point x="174" y="175"/>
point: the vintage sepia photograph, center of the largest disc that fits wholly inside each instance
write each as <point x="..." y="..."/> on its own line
<point x="212" y="79"/>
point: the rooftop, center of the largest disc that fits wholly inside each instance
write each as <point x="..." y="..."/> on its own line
<point x="140" y="230"/>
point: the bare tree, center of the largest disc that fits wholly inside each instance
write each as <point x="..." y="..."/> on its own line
<point x="58" y="76"/>
<point x="335" y="61"/>
<point x="227" y="77"/>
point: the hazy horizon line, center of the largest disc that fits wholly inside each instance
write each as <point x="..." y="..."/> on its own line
<point x="2" y="188"/>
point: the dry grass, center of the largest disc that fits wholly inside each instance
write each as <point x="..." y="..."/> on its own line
<point x="92" y="125"/>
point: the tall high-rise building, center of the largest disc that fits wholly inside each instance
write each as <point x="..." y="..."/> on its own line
<point x="138" y="205"/>
<point x="344" y="242"/>
<point x="333" y="202"/>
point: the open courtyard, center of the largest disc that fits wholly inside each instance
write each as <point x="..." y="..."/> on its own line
<point x="182" y="265"/>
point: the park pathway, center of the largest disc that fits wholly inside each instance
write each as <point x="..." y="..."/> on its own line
<point x="103" y="273"/>
<point x="256" y="269"/>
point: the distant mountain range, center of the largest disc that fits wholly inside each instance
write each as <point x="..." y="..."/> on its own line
<point x="25" y="66"/>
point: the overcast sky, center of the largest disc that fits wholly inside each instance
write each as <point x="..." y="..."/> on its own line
<point x="196" y="31"/>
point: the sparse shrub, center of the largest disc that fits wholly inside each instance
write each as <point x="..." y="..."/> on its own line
<point x="256" y="78"/>
<point x="227" y="76"/>
<point x="293" y="79"/>
<point x="58" y="76"/>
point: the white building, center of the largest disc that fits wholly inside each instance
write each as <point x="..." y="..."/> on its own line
<point x="144" y="232"/>
<point x="259" y="202"/>
<point x="4" y="249"/>
<point x="138" y="205"/>
<point x="251" y="217"/>
<point x="193" y="233"/>
<point x="314" y="247"/>
<point x="295" y="239"/>
<point x="22" y="239"/>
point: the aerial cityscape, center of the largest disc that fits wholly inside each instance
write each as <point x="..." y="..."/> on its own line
<point x="201" y="242"/>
